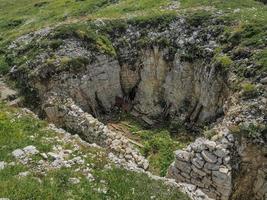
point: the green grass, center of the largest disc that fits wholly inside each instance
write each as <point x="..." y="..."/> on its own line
<point x="248" y="25"/>
<point x="23" y="16"/>
<point x="249" y="90"/>
<point x="118" y="183"/>
<point x="16" y="131"/>
<point x="223" y="61"/>
<point x="132" y="8"/>
<point x="18" y="17"/>
<point x="159" y="143"/>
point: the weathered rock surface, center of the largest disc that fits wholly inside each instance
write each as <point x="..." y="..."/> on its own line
<point x="154" y="81"/>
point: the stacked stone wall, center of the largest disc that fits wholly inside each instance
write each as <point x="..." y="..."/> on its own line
<point x="207" y="165"/>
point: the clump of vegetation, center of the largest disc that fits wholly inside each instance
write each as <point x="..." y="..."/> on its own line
<point x="151" y="21"/>
<point x="14" y="23"/>
<point x="95" y="40"/>
<point x="250" y="130"/>
<point x="158" y="148"/>
<point x="223" y="61"/>
<point x="4" y="67"/>
<point x="41" y="4"/>
<point x="105" y="45"/>
<point x="53" y="44"/>
<point x="159" y="143"/>
<point x="261" y="59"/>
<point x="198" y="18"/>
<point x="74" y="64"/>
<point x="249" y="90"/>
<point x="209" y="133"/>
<point x="144" y="42"/>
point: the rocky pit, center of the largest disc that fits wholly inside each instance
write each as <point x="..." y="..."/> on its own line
<point x="155" y="83"/>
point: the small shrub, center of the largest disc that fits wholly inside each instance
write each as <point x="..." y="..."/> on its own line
<point x="54" y="44"/>
<point x="105" y="45"/>
<point x="4" y="67"/>
<point x="234" y="129"/>
<point x="144" y="42"/>
<point x="252" y="130"/>
<point x="249" y="90"/>
<point x="153" y="21"/>
<point x="261" y="59"/>
<point x="40" y="4"/>
<point x="223" y="61"/>
<point x="198" y="18"/>
<point x="74" y="64"/>
<point x="209" y="133"/>
<point x="14" y="23"/>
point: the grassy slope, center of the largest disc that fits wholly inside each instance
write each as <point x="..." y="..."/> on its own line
<point x="21" y="16"/>
<point x="18" y="17"/>
<point x="17" y="130"/>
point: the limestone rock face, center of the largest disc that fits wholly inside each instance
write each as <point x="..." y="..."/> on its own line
<point x="201" y="86"/>
<point x="155" y="80"/>
<point x="130" y="79"/>
<point x="150" y="91"/>
<point x="166" y="88"/>
<point x="95" y="89"/>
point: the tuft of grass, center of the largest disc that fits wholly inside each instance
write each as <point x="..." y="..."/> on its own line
<point x="105" y="45"/>
<point x="249" y="90"/>
<point x="210" y="133"/>
<point x="198" y="18"/>
<point x="223" y="61"/>
<point x="261" y="59"/>
<point x="4" y="67"/>
<point x="74" y="64"/>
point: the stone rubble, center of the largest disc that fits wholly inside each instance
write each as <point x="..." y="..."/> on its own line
<point x="2" y="165"/>
<point x="24" y="174"/>
<point x="74" y="181"/>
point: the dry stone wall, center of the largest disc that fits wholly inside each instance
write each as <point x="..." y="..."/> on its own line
<point x="64" y="113"/>
<point x="207" y="165"/>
